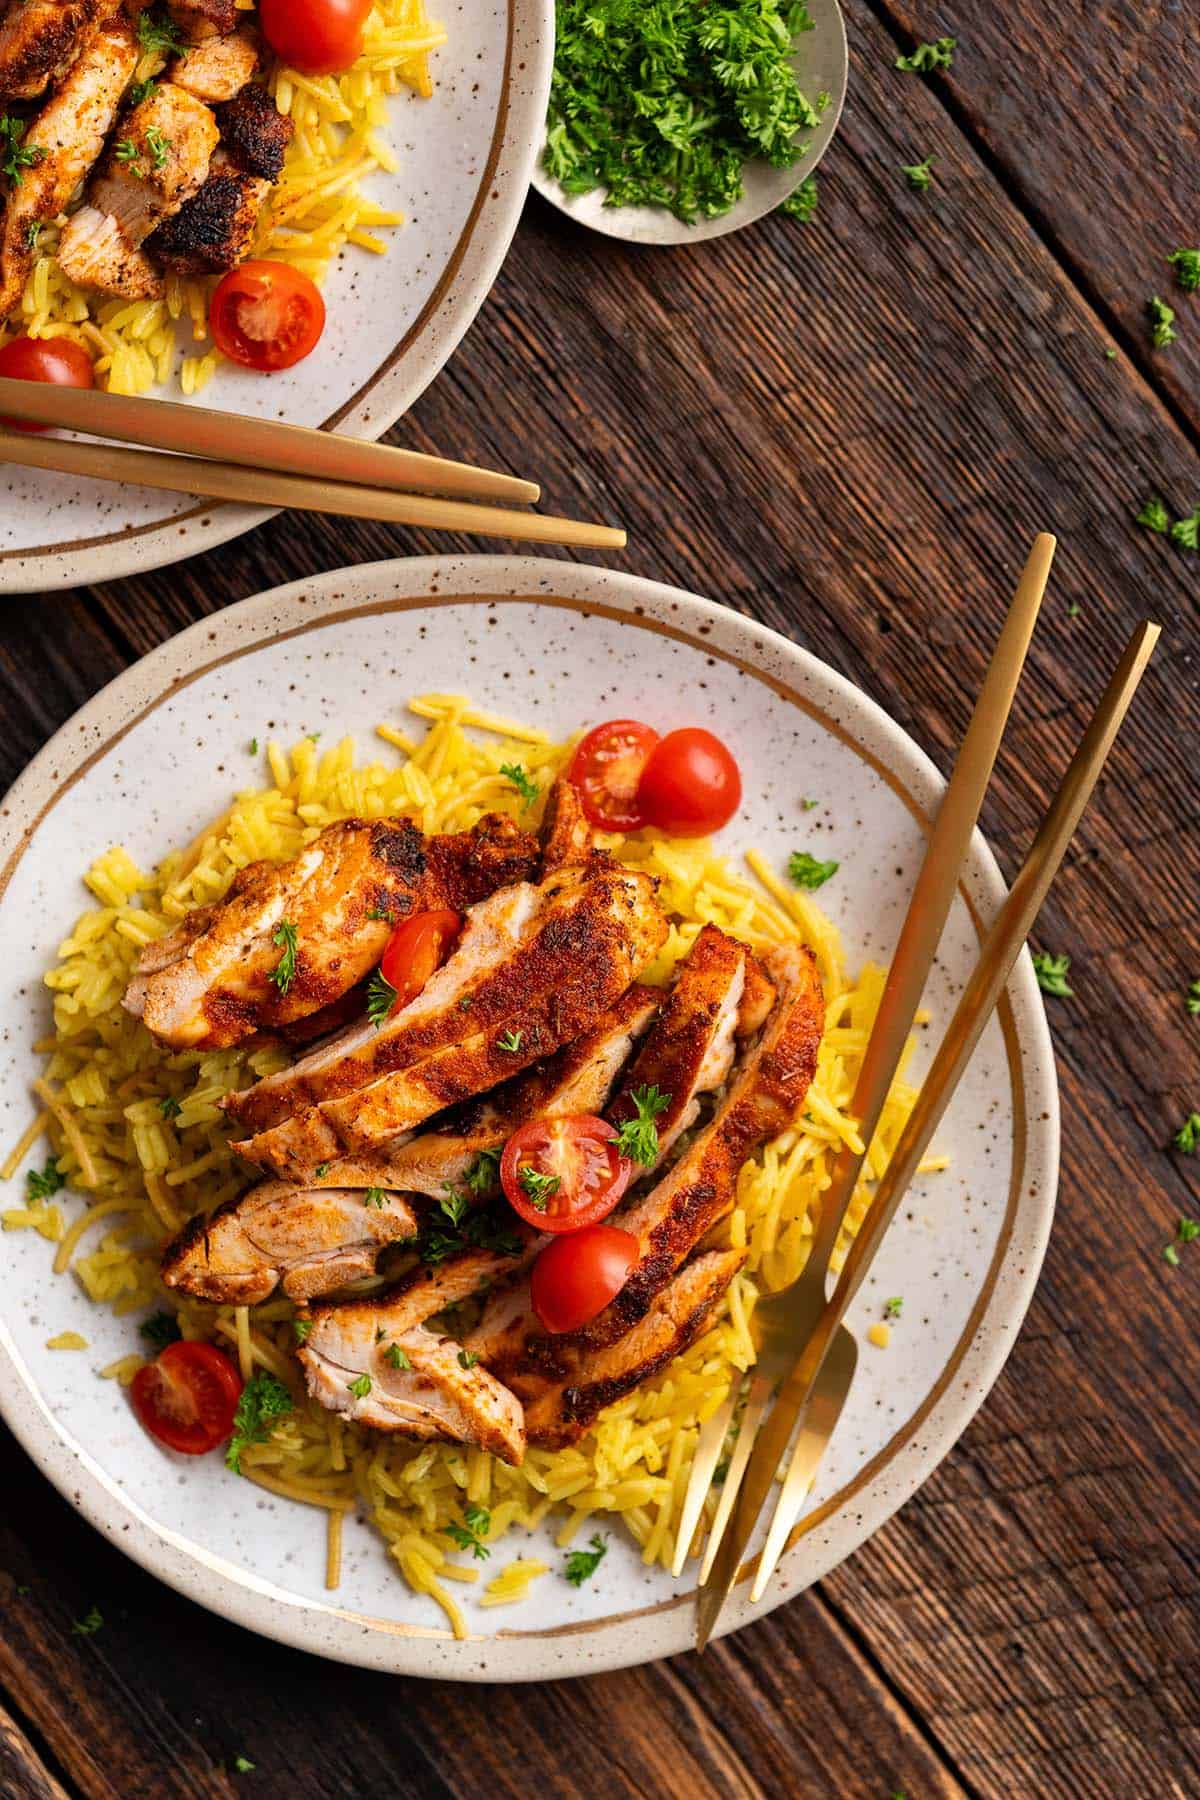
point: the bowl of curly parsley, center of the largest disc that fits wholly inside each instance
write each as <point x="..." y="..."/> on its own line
<point x="675" y="120"/>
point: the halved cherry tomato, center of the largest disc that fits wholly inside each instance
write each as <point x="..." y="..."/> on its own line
<point x="416" y="949"/>
<point x="575" y="1277"/>
<point x="690" y="785"/>
<point x="318" y="37"/>
<point x="266" y="315"/>
<point x="562" y="1174"/>
<point x="187" y="1397"/>
<point x="607" y="767"/>
<point x="59" y="360"/>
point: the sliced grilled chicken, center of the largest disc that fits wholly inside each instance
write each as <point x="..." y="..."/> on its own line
<point x="200" y="20"/>
<point x="254" y="133"/>
<point x="209" y="983"/>
<point x="577" y="1079"/>
<point x="558" y="1414"/>
<point x="219" y="67"/>
<point x="38" y="38"/>
<point x="566" y="835"/>
<point x="384" y="1371"/>
<point x="671" y="1219"/>
<point x="158" y="159"/>
<point x="215" y="230"/>
<point x="537" y="966"/>
<point x="309" y="1242"/>
<point x="691" y="1049"/>
<point x="66" y="138"/>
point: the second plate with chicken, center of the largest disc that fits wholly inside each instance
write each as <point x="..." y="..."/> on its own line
<point x="453" y="1046"/>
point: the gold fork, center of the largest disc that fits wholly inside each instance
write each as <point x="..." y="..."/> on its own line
<point x="784" y="1320"/>
<point x="815" y="1388"/>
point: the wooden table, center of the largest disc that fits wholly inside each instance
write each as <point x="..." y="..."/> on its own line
<point x="850" y="430"/>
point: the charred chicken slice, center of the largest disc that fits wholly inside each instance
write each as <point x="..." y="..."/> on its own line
<point x="215" y="230"/>
<point x="254" y="133"/>
<point x="38" y="39"/>
<point x="64" y="141"/>
<point x="534" y="968"/>
<point x="307" y="1241"/>
<point x="216" y="979"/>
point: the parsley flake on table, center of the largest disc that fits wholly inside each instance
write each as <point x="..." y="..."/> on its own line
<point x="663" y="104"/>
<point x="919" y="175"/>
<point x="381" y="997"/>
<point x="894" y="1307"/>
<point x="518" y="777"/>
<point x="1051" y="972"/>
<point x="927" y="57"/>
<point x="397" y="1357"/>
<point x="637" y="1138"/>
<point x="284" y="937"/>
<point x="582" y="1564"/>
<point x="1162" y="322"/>
<point x="1188" y="1230"/>
<point x="1192" y="998"/>
<point x="1186" y="532"/>
<point x="1154" y="516"/>
<point x="41" y="1183"/>
<point x="160" y="1329"/>
<point x="1187" y="1138"/>
<point x="537" y="1186"/>
<point x="807" y="872"/>
<point x="242" y="1765"/>
<point x="91" y="1622"/>
<point x="264" y="1399"/>
<point x="1186" y="264"/>
<point x="471" y="1533"/>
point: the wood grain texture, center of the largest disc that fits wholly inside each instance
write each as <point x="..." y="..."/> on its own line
<point x="23" y="1775"/>
<point x="850" y="431"/>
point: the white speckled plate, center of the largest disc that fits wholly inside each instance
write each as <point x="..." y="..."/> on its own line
<point x="155" y="755"/>
<point x="821" y="63"/>
<point x="465" y="157"/>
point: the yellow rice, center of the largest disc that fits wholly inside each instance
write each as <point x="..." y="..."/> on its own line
<point x="135" y="1174"/>
<point x="318" y="206"/>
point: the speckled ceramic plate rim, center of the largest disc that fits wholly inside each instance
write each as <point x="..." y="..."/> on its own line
<point x="402" y="376"/>
<point x="829" y="1534"/>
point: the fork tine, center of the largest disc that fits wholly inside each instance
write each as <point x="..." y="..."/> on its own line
<point x="708" y="1452"/>
<point x="756" y="1403"/>
<point x="817" y="1425"/>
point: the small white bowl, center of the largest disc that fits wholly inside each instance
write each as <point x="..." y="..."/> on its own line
<point x="821" y="63"/>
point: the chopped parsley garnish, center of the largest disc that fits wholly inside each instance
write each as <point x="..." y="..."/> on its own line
<point x="242" y="1765"/>
<point x="519" y="778"/>
<point x="479" y="1230"/>
<point x="894" y="1307"/>
<point x="1186" y="532"/>
<point x="360" y="1387"/>
<point x="454" y="1205"/>
<point x="321" y="1171"/>
<point x="381" y="997"/>
<point x="381" y="912"/>
<point x="302" y="1328"/>
<point x="537" y="1186"/>
<point x="16" y="156"/>
<point x="264" y="1399"/>
<point x="664" y="104"/>
<point x="397" y="1357"/>
<point x="807" y="805"/>
<point x="637" y="1138"/>
<point x="375" y="1197"/>
<point x="510" y="1041"/>
<point x="484" y="1172"/>
<point x="1186" y="264"/>
<point x="158" y="146"/>
<point x="1162" y="322"/>
<point x="1188" y="1230"/>
<point x="470" y="1534"/>
<point x="169" y="1107"/>
<point x="801" y="203"/>
<point x="1051" y="972"/>
<point x="142" y="90"/>
<point x="467" y="1359"/>
<point x="158" y="33"/>
<point x="33" y="232"/>
<point x="312" y="736"/>
<point x="254" y="746"/>
<point x="807" y="872"/>
<point x="918" y="175"/>
<point x="1154" y="515"/>
<point x="1192" y="998"/>
<point x="89" y="1624"/>
<point x="927" y="57"/>
<point x="41" y="1183"/>
<point x="1171" y="1255"/>
<point x="284" y="972"/>
<point x="126" y="151"/>
<point x="582" y="1564"/>
<point x="1187" y="1138"/>
<point x="160" y="1329"/>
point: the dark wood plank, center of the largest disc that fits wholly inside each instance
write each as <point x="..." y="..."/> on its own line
<point x="850" y="431"/>
<point x="23" y="1774"/>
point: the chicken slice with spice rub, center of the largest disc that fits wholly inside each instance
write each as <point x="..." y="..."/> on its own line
<point x="38" y="39"/>
<point x="534" y="967"/>
<point x="309" y="1241"/>
<point x="291" y="938"/>
<point x="62" y="143"/>
<point x="158" y="159"/>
